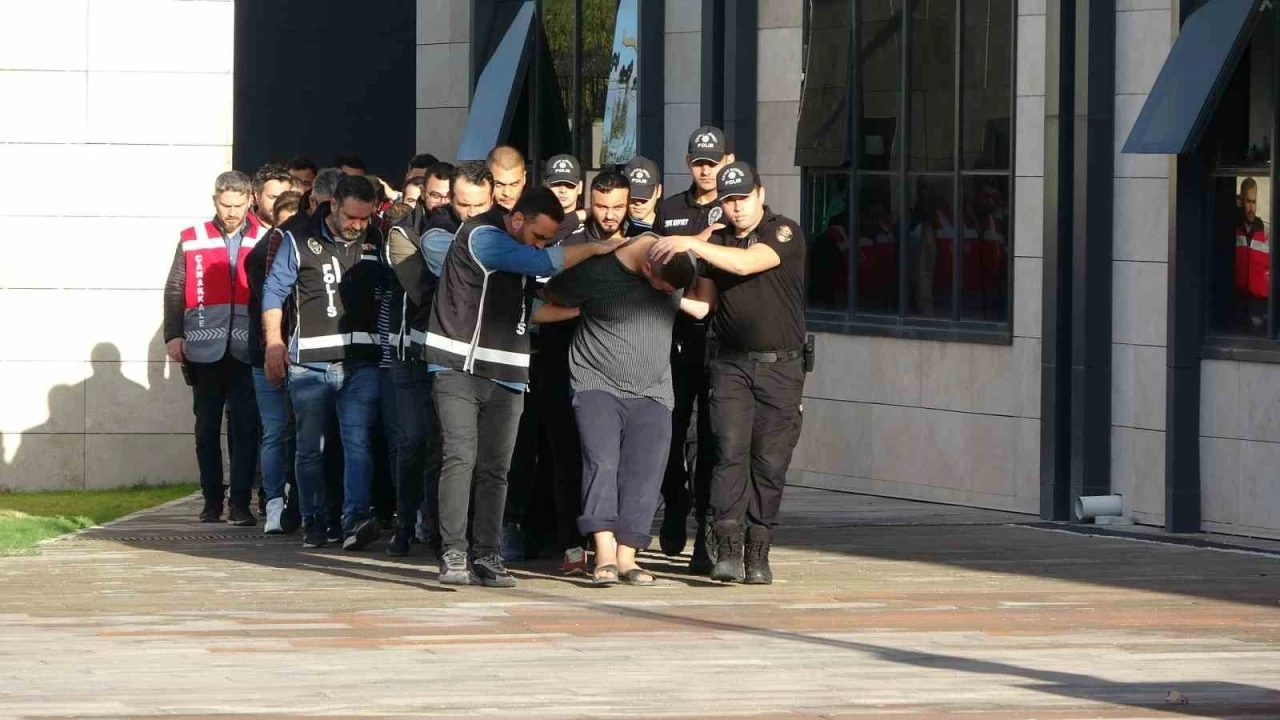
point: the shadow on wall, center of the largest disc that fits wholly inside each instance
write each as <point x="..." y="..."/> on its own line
<point x="59" y="453"/>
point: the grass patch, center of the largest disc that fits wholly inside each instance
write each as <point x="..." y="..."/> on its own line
<point x="26" y="518"/>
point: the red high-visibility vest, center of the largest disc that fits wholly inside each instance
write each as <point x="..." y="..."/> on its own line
<point x="217" y="303"/>
<point x="1253" y="260"/>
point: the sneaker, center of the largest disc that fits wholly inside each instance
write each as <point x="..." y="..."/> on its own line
<point x="362" y="533"/>
<point x="512" y="546"/>
<point x="212" y="512"/>
<point x="399" y="545"/>
<point x="575" y="561"/>
<point x="490" y="571"/>
<point x="241" y="517"/>
<point x="274" y="514"/>
<point x="453" y="568"/>
<point x="333" y="532"/>
<point x="420" y="534"/>
<point x="315" y="536"/>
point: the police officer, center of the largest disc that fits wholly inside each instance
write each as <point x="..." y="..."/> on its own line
<point x="332" y="268"/>
<point x="694" y="212"/>
<point x="757" y="268"/>
<point x="646" y="192"/>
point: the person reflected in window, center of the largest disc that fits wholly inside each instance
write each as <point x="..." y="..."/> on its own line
<point x="986" y="261"/>
<point x="829" y="271"/>
<point x="877" y="238"/>
<point x="1252" y="262"/>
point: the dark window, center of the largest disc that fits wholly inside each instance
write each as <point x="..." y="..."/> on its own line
<point x="1238" y="142"/>
<point x="911" y="234"/>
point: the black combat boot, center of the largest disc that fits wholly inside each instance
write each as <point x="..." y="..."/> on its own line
<point x="704" y="549"/>
<point x="728" y="552"/>
<point x="757" y="556"/>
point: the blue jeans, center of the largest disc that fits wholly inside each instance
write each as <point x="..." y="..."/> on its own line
<point x="353" y="392"/>
<point x="276" y="413"/>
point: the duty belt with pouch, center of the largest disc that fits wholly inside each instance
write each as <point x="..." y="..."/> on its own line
<point x="808" y="352"/>
<point x="770" y="356"/>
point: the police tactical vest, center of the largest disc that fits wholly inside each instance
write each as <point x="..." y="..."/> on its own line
<point x="216" y="315"/>
<point x="418" y="317"/>
<point x="479" y="317"/>
<point x="335" y="296"/>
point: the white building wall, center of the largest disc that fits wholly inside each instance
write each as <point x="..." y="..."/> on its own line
<point x="443" y="75"/>
<point x="1140" y="271"/>
<point x="1240" y="448"/>
<point x="117" y="119"/>
<point x="946" y="422"/>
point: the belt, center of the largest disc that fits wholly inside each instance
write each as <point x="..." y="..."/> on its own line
<point x="764" y="357"/>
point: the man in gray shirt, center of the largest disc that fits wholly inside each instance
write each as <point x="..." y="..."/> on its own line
<point x="620" y="371"/>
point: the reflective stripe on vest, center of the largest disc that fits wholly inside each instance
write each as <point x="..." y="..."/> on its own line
<point x="462" y="349"/>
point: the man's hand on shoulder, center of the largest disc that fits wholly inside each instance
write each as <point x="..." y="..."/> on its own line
<point x="668" y="247"/>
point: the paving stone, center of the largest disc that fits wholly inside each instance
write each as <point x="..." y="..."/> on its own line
<point x="883" y="608"/>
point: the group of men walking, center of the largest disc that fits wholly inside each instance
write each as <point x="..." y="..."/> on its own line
<point x="539" y="362"/>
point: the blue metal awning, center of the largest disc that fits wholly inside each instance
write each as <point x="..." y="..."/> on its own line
<point x="1198" y="66"/>
<point x="498" y="90"/>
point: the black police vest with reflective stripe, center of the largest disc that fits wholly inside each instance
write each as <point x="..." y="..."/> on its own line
<point x="479" y="317"/>
<point x="336" y="296"/>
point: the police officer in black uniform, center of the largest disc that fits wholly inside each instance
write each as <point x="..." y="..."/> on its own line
<point x="757" y="268"/>
<point x="694" y="212"/>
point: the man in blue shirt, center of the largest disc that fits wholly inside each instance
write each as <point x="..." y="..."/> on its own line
<point x="477" y="344"/>
<point x="332" y="268"/>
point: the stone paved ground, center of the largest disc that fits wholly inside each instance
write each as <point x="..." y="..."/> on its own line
<point x="884" y="609"/>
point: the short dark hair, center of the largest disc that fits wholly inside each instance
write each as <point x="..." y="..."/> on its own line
<point x="679" y="271"/>
<point x="610" y="180"/>
<point x="290" y="200"/>
<point x="440" y="171"/>
<point x="539" y="201"/>
<point x="422" y="160"/>
<point x="351" y="161"/>
<point x="302" y="162"/>
<point x="420" y="181"/>
<point x="474" y="172"/>
<point x="269" y="172"/>
<point x="355" y="187"/>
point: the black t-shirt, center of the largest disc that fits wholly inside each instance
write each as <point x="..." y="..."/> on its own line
<point x="765" y="311"/>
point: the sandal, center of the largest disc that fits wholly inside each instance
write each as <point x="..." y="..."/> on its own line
<point x="605" y="575"/>
<point x="637" y="576"/>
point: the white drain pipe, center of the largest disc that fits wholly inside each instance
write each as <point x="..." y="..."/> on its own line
<point x="1089" y="507"/>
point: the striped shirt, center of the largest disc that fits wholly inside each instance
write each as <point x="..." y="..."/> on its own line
<point x="623" y="342"/>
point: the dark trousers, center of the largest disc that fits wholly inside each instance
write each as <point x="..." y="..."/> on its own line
<point x="478" y="421"/>
<point x="624" y="443"/>
<point x="693" y="453"/>
<point x="418" y="453"/>
<point x="545" y="481"/>
<point x="756" y="415"/>
<point x="386" y="442"/>
<point x="560" y="438"/>
<point x="227" y="383"/>
<point x="522" y="474"/>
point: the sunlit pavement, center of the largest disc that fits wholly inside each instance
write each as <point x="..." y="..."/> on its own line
<point x="882" y="608"/>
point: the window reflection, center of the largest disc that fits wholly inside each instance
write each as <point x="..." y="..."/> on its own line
<point x="933" y="85"/>
<point x="878" y="210"/>
<point x="1240" y="259"/>
<point x="987" y="70"/>
<point x="880" y="82"/>
<point x="986" y="250"/>
<point x="932" y="235"/>
<point x="829" y="248"/>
